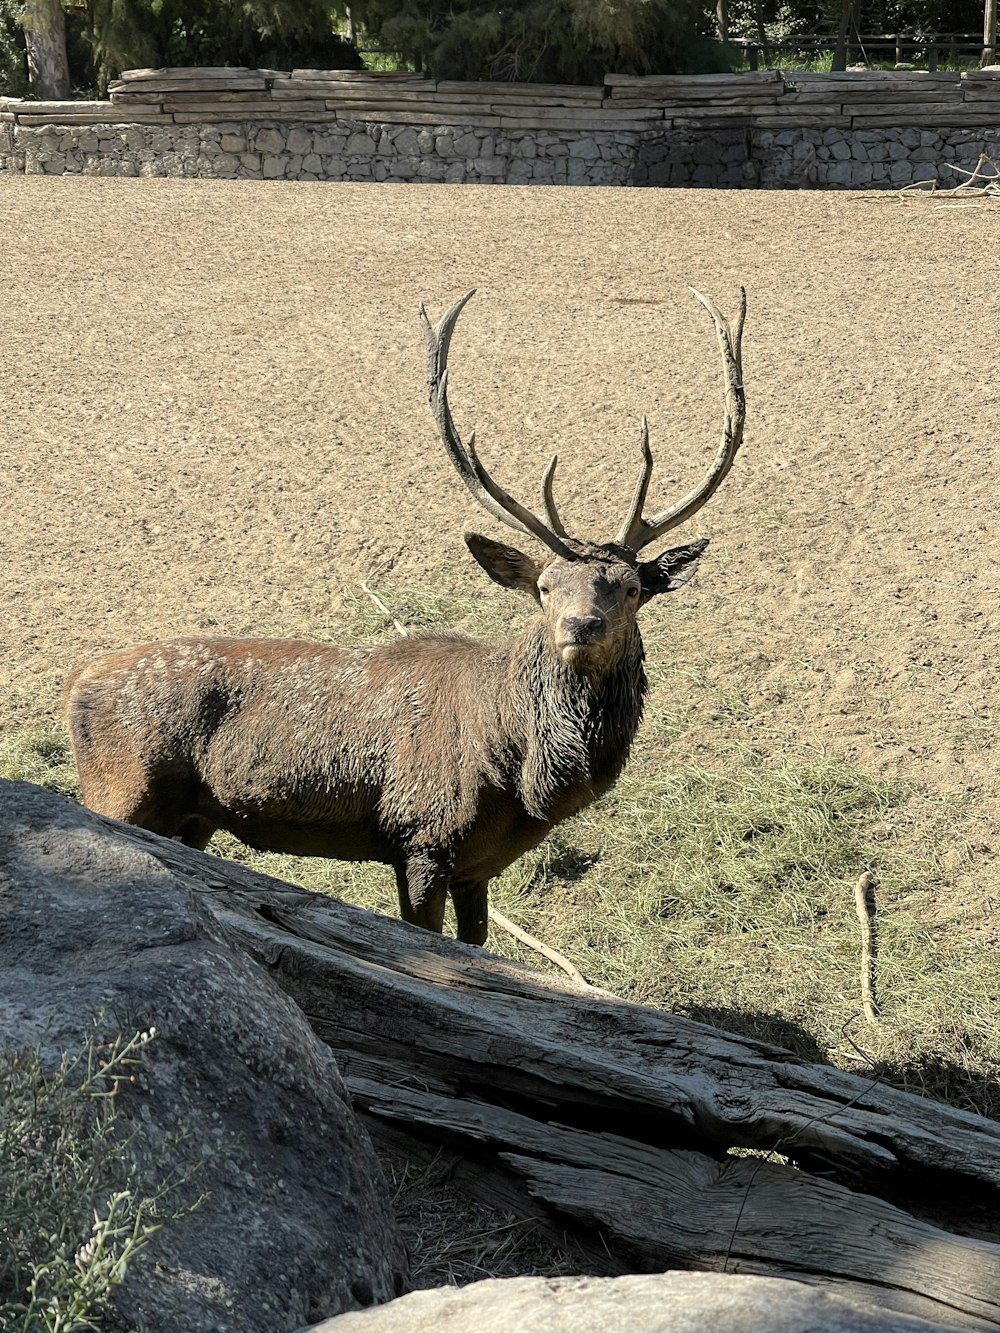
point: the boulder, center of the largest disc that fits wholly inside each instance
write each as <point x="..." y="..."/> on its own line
<point x="297" y="1224"/>
<point x="653" y="1303"/>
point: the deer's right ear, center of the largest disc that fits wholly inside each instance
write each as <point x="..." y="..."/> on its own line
<point x="506" y="565"/>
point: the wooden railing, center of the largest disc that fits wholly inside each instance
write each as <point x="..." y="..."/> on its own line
<point x="900" y="47"/>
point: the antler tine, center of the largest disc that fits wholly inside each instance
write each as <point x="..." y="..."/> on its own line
<point x="638" y="531"/>
<point x="632" y="526"/>
<point x="493" y="498"/>
<point x="548" y="501"/>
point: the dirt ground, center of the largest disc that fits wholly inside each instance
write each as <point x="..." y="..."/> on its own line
<point x="214" y="419"/>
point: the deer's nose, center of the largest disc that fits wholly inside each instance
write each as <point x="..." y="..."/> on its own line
<point x="581" y="629"/>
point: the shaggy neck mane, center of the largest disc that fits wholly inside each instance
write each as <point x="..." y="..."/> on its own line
<point x="578" y="730"/>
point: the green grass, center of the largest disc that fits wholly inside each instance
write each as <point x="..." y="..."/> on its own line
<point x="715" y="879"/>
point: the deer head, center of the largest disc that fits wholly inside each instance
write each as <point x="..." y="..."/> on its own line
<point x="589" y="592"/>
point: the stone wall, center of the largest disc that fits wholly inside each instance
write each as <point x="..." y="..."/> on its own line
<point x="729" y="157"/>
<point x="839" y="131"/>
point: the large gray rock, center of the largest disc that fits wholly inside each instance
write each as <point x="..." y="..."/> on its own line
<point x="298" y="1223"/>
<point x="653" y="1303"/>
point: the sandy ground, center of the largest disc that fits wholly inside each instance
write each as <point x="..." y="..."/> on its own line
<point x="213" y="419"/>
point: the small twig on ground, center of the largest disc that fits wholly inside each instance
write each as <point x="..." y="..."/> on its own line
<point x="553" y="955"/>
<point x="400" y="627"/>
<point x="864" y="902"/>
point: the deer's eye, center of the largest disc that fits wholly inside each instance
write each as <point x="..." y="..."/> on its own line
<point x="544" y="589"/>
<point x="632" y="591"/>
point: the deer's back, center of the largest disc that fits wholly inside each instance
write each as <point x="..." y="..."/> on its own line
<point x="286" y="730"/>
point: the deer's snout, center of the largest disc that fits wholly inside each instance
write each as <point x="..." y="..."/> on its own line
<point x="583" y="629"/>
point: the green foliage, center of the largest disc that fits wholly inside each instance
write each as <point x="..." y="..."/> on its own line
<point x="565" y="41"/>
<point x="77" y="1210"/>
<point x="13" y="60"/>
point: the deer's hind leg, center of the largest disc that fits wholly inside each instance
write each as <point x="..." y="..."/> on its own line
<point x="121" y="788"/>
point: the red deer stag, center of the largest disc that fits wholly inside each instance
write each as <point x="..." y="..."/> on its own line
<point x="441" y="756"/>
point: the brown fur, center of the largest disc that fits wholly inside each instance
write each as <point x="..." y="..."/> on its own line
<point x="438" y="755"/>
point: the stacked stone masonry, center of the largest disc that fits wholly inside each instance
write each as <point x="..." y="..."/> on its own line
<point x="718" y="131"/>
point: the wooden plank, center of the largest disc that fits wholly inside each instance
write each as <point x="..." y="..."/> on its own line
<point x="386" y="97"/>
<point x="390" y="117"/>
<point x="188" y="72"/>
<point x="526" y="99"/>
<point x="167" y="84"/>
<point x="900" y="78"/>
<point x="803" y="121"/>
<point x="692" y="80"/>
<point x="367" y="110"/>
<point x="126" y="99"/>
<point x="817" y="111"/>
<point x="595" y="125"/>
<point x="214" y="110"/>
<point x="851" y="96"/>
<point x="109" y="117"/>
<point x="691" y="102"/>
<point x="929" y="111"/>
<point x="57" y="107"/>
<point x="542" y="92"/>
<point x="568" y="115"/>
<point x="258" y="117"/>
<point x="953" y="118"/>
<point x="196" y="97"/>
<point x="359" y="75"/>
<point x="984" y="92"/>
<point x="325" y="88"/>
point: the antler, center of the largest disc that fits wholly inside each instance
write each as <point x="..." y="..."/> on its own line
<point x="490" y="495"/>
<point x="637" y="531"/>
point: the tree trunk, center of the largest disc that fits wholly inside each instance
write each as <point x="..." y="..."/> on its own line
<point x="44" y="26"/>
<point x="758" y="14"/>
<point x="989" y="34"/>
<point x="722" y="19"/>
<point x="616" y="1122"/>
<point x="843" y="28"/>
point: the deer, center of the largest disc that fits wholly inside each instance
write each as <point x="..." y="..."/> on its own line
<point x="441" y="756"/>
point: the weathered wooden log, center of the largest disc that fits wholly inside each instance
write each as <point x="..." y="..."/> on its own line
<point x="618" y="1121"/>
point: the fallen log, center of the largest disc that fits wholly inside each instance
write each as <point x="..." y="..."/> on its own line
<point x="618" y="1122"/>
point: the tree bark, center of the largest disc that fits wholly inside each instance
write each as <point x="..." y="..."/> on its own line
<point x="722" y="19"/>
<point x="616" y="1122"/>
<point x="989" y="34"/>
<point x="44" y="25"/>
<point x="843" y="28"/>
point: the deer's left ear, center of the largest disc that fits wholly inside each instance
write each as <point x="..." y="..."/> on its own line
<point x="671" y="570"/>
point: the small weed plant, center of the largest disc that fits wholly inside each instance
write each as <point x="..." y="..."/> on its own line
<point x="76" y="1208"/>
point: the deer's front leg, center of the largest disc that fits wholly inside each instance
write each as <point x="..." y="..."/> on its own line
<point x="471" y="911"/>
<point x="423" y="890"/>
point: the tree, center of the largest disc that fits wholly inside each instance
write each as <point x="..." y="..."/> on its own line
<point x="545" y="41"/>
<point x="44" y="26"/>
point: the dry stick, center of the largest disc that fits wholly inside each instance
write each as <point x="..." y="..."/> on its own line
<point x="384" y="609"/>
<point x="553" y="955"/>
<point x="864" y="901"/>
<point x="979" y="186"/>
<point x="498" y="919"/>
